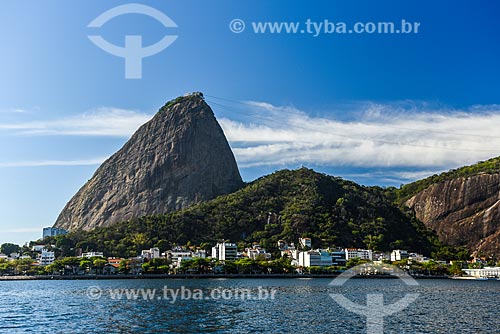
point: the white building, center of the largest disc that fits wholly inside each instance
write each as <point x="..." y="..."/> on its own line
<point x="305" y="242"/>
<point x="152" y="253"/>
<point x="46" y="258"/>
<point x="38" y="248"/>
<point x="398" y="255"/>
<point x="177" y="257"/>
<point x="363" y="254"/>
<point x="418" y="257"/>
<point x="3" y="257"/>
<point x="53" y="231"/>
<point x="225" y="251"/>
<point x="483" y="273"/>
<point x="256" y="251"/>
<point x="317" y="258"/>
<point x="92" y="254"/>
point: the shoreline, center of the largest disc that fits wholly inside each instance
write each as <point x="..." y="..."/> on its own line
<point x="196" y="276"/>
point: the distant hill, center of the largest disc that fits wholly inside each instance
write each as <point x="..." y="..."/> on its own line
<point x="462" y="206"/>
<point x="285" y="205"/>
<point x="491" y="166"/>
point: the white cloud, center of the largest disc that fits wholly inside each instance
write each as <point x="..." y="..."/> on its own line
<point x="98" y="122"/>
<point x="381" y="136"/>
<point x="43" y="163"/>
<point x="13" y="111"/>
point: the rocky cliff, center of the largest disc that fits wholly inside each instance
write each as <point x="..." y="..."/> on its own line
<point x="463" y="211"/>
<point x="178" y="158"/>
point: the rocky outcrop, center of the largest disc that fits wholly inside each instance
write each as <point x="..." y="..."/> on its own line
<point x="463" y="211"/>
<point x="179" y="158"/>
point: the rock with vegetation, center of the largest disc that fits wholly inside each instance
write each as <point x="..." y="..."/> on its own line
<point x="179" y="158"/>
<point x="285" y="205"/>
<point x="462" y="206"/>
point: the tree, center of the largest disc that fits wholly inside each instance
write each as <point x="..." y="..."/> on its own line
<point x="64" y="244"/>
<point x="87" y="245"/>
<point x="23" y="266"/>
<point x="140" y="240"/>
<point x="9" y="248"/>
<point x="162" y="245"/>
<point x="354" y="262"/>
<point x="123" y="267"/>
<point x="86" y="264"/>
<point x="245" y="265"/>
<point x="5" y="267"/>
<point x="455" y="269"/>
<point x="315" y="270"/>
<point x="71" y="263"/>
<point x="431" y="267"/>
<point x="99" y="264"/>
<point x="230" y="267"/>
<point x="475" y="265"/>
<point x="54" y="268"/>
<point x="196" y="265"/>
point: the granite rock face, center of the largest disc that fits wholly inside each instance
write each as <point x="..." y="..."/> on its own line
<point x="463" y="211"/>
<point x="178" y="158"/>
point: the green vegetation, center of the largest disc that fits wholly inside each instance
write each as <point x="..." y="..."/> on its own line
<point x="9" y="248"/>
<point x="179" y="99"/>
<point x="17" y="267"/>
<point x="284" y="205"/>
<point x="426" y="268"/>
<point x="74" y="266"/>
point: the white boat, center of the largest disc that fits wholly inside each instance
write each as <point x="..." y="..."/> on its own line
<point x="476" y="278"/>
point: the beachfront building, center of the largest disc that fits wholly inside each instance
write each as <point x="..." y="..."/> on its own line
<point x="338" y="257"/>
<point x="257" y="252"/>
<point x="92" y="254"/>
<point x="152" y="253"/>
<point x="398" y="255"/>
<point x="363" y="254"/>
<point x="315" y="258"/>
<point x="224" y="251"/>
<point x="46" y="258"/>
<point x="177" y="257"/>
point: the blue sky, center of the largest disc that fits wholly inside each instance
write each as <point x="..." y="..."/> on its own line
<point x="375" y="108"/>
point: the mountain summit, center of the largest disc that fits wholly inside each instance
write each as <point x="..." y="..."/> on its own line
<point x="178" y="158"/>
